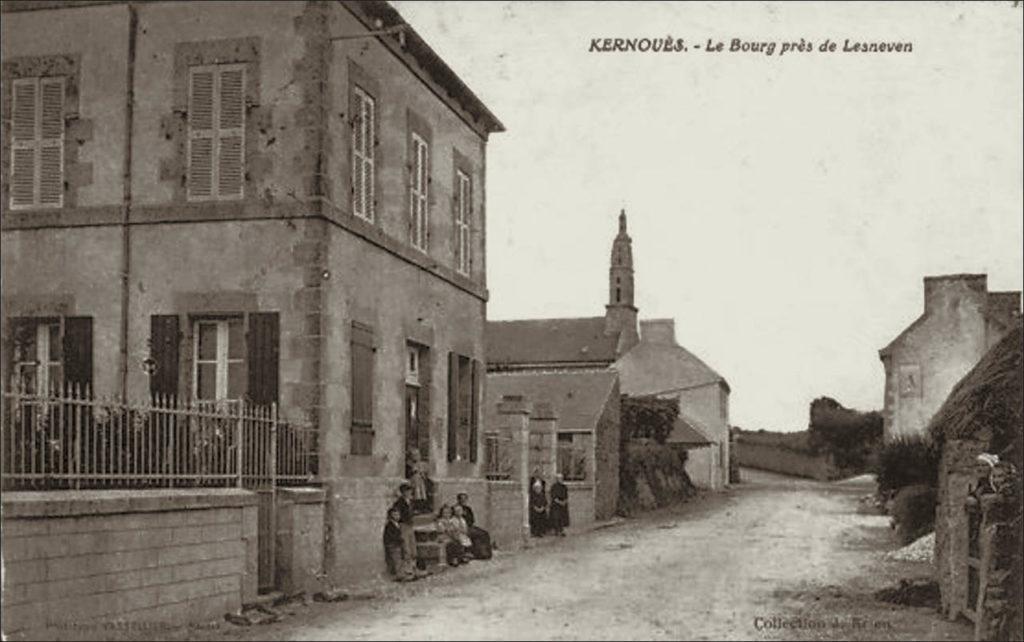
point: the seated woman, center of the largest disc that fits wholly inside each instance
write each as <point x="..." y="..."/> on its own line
<point x="462" y="527"/>
<point x="449" y="533"/>
<point x="480" y="538"/>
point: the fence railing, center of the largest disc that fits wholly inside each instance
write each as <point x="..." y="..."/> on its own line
<point x="498" y="456"/>
<point x="70" y="439"/>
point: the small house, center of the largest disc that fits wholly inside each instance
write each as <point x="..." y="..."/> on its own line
<point x="978" y="544"/>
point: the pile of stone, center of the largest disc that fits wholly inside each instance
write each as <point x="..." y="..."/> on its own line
<point x="920" y="550"/>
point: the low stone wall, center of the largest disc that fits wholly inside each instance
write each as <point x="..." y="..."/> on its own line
<point x="581" y="504"/>
<point x="300" y="540"/>
<point x="87" y="564"/>
<point x="782" y="460"/>
<point x="356" y="510"/>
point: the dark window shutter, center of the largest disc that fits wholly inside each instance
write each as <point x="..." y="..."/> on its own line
<point x="77" y="347"/>
<point x="453" y="404"/>
<point x="474" y="419"/>
<point x="164" y="345"/>
<point x="263" y="352"/>
<point x="361" y="435"/>
<point x="425" y="401"/>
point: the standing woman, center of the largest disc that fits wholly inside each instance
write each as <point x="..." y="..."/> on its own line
<point x="538" y="507"/>
<point x="559" y="512"/>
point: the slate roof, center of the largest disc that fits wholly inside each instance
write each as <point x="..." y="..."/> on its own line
<point x="688" y="430"/>
<point x="683" y="369"/>
<point x="550" y="341"/>
<point x="577" y="398"/>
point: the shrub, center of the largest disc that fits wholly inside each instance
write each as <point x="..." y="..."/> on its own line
<point x="906" y="462"/>
<point x="849" y="436"/>
<point x="647" y="418"/>
<point x="913" y="512"/>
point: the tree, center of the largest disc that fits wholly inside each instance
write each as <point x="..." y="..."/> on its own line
<point x="849" y="436"/>
<point x="647" y="417"/>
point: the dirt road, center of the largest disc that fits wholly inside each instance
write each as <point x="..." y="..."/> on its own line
<point x="740" y="565"/>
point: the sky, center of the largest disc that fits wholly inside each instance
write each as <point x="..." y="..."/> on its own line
<point x="783" y="210"/>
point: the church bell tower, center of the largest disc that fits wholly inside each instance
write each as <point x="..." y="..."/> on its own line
<point x="621" y="313"/>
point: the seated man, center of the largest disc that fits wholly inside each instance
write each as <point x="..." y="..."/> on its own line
<point x="481" y="539"/>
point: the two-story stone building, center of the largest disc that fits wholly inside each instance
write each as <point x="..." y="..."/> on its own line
<point x="278" y="201"/>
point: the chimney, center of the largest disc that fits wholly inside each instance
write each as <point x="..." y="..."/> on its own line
<point x="658" y="331"/>
<point x="940" y="290"/>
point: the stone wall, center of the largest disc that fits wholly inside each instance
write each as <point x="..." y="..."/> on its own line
<point x="606" y="457"/>
<point x="782" y="460"/>
<point x="582" y="511"/>
<point x="506" y="518"/>
<point x="77" y="561"/>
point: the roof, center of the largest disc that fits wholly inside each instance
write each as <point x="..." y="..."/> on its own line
<point x="990" y="395"/>
<point x="577" y="398"/>
<point x="681" y="369"/>
<point x="550" y="341"/>
<point x="688" y="430"/>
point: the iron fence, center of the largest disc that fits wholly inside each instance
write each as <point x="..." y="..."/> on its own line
<point x="69" y="439"/>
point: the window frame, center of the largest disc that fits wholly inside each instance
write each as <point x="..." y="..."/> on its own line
<point x="38" y="142"/>
<point x="222" y="361"/>
<point x="580" y="451"/>
<point x="463" y="223"/>
<point x="216" y="132"/>
<point x="42" y="341"/>
<point x="361" y="159"/>
<point x="419" y="192"/>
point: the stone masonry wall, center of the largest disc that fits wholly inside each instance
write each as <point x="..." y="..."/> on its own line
<point x="79" y="562"/>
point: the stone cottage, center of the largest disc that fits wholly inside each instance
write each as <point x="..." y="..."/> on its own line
<point x="961" y="320"/>
<point x="574" y="431"/>
<point x="978" y="530"/>
<point x="272" y="202"/>
<point x="647" y="359"/>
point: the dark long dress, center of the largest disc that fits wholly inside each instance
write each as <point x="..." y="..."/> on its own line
<point x="538" y="510"/>
<point x="558" y="514"/>
<point x="481" y="539"/>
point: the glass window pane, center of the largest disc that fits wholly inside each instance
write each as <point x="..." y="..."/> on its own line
<point x="53" y="372"/>
<point x="207" y="341"/>
<point x="28" y="379"/>
<point x="236" y="380"/>
<point x="206" y="380"/>
<point x="236" y="339"/>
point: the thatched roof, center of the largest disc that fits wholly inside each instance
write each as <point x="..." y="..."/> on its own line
<point x="989" y="395"/>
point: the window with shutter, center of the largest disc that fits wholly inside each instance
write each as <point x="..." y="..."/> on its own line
<point x="216" y="132"/>
<point x="418" y="191"/>
<point x="363" y="154"/>
<point x="37" y="143"/>
<point x="218" y="359"/>
<point x="463" y="201"/>
<point x="362" y="390"/>
<point x="51" y="352"/>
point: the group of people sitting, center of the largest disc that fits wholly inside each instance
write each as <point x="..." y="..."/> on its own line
<point x="455" y="527"/>
<point x="548" y="517"/>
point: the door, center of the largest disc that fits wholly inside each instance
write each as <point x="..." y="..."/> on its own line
<point x="412" y="426"/>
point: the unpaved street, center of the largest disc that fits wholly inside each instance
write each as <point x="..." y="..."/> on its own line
<point x="724" y="567"/>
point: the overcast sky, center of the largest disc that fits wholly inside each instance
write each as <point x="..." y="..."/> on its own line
<point x="783" y="209"/>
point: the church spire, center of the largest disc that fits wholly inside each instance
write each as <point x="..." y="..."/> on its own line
<point x="621" y="313"/>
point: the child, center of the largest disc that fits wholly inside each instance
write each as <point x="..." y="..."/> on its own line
<point x="393" y="545"/>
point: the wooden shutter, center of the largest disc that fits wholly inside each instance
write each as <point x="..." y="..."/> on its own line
<point x="231" y="133"/>
<point x="474" y="418"/>
<point x="164" y="347"/>
<point x="453" y="405"/>
<point x="426" y="409"/>
<point x="263" y="348"/>
<point x="77" y="346"/>
<point x="24" y="144"/>
<point x="362" y="390"/>
<point x="51" y="142"/>
<point x="200" y="133"/>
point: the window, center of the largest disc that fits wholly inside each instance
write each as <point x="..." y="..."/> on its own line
<point x="572" y="455"/>
<point x="37" y="143"/>
<point x="463" y="218"/>
<point x="412" y="367"/>
<point x="463" y="407"/>
<point x="418" y="196"/>
<point x="216" y="132"/>
<point x="362" y="390"/>
<point x="219" y="359"/>
<point x="47" y="353"/>
<point x="363" y="154"/>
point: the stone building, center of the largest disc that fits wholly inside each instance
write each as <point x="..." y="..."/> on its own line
<point x="978" y="531"/>
<point x="648" y="361"/>
<point x="277" y="201"/>
<point x="960" y="322"/>
<point x="574" y="430"/>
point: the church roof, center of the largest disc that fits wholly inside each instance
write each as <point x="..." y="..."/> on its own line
<point x="578" y="399"/>
<point x="550" y="341"/>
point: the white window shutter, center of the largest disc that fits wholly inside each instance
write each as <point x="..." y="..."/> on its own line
<point x="231" y="133"/>
<point x="24" y="142"/>
<point x="201" y="133"/>
<point x="51" y="150"/>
